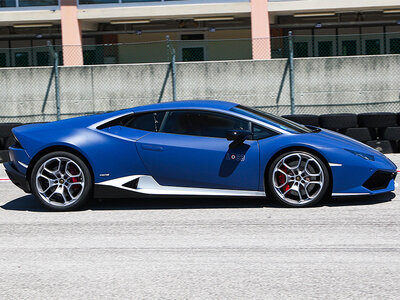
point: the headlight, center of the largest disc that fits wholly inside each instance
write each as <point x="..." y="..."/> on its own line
<point x="362" y="155"/>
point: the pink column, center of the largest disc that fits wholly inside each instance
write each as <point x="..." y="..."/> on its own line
<point x="71" y="34"/>
<point x="260" y="31"/>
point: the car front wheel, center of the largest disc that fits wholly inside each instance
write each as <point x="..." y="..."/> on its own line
<point x="61" y="181"/>
<point x="298" y="179"/>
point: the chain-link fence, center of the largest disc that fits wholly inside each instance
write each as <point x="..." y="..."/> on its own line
<point x="127" y="75"/>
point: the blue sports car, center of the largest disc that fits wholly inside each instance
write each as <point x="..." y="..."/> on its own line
<point x="200" y="148"/>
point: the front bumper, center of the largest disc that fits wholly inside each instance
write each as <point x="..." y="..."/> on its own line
<point x="17" y="178"/>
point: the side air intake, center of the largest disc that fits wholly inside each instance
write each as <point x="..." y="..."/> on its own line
<point x="379" y="180"/>
<point x="132" y="184"/>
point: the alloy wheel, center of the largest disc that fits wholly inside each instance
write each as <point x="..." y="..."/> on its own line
<point x="298" y="178"/>
<point x="60" y="181"/>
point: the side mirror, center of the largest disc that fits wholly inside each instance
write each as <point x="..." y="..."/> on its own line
<point x="238" y="135"/>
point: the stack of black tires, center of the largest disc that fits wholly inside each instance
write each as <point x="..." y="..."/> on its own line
<point x="6" y="139"/>
<point x="378" y="130"/>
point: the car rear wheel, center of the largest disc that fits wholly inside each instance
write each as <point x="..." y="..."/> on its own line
<point x="298" y="179"/>
<point x="61" y="181"/>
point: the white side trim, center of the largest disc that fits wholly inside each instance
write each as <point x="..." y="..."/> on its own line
<point x="24" y="165"/>
<point x="335" y="165"/>
<point x="349" y="194"/>
<point x="147" y="185"/>
<point x="95" y="125"/>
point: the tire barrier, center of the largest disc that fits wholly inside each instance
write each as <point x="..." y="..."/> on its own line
<point x="303" y="119"/>
<point x="338" y="121"/>
<point x="380" y="130"/>
<point x="377" y="120"/>
<point x="360" y="134"/>
<point x="6" y="137"/>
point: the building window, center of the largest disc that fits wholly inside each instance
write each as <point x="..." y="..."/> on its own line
<point x="25" y="3"/>
<point x="349" y="47"/>
<point x="300" y="49"/>
<point x="325" y="48"/>
<point x="3" y="60"/>
<point x="89" y="57"/>
<point x="42" y="58"/>
<point x="373" y="47"/>
<point x="97" y="1"/>
<point x="130" y="1"/>
<point x="192" y="50"/>
<point x="21" y="59"/>
<point x="395" y="46"/>
<point x="193" y="54"/>
<point x="8" y="3"/>
<point x="114" y="1"/>
<point x="192" y="37"/>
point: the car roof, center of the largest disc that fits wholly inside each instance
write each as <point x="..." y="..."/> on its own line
<point x="187" y="104"/>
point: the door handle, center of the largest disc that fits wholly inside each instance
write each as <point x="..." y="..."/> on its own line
<point x="152" y="147"/>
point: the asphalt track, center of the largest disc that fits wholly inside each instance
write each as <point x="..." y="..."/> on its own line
<point x="200" y="249"/>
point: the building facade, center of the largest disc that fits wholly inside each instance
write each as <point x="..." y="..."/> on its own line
<point x="125" y="31"/>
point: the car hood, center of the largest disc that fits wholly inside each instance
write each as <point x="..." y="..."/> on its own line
<point x="352" y="144"/>
<point x="345" y="142"/>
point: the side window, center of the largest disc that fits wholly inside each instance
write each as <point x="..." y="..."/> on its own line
<point x="147" y="121"/>
<point x="201" y="123"/>
<point x="260" y="133"/>
<point x="217" y="125"/>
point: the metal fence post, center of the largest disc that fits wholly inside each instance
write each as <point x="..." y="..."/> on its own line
<point x="55" y="71"/>
<point x="173" y="68"/>
<point x="173" y="75"/>
<point x="291" y="73"/>
<point x="57" y="84"/>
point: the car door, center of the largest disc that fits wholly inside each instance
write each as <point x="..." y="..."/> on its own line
<point x="191" y="150"/>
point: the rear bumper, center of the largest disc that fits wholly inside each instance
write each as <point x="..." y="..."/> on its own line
<point x="17" y="178"/>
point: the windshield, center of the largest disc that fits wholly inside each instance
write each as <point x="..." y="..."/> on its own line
<point x="280" y="122"/>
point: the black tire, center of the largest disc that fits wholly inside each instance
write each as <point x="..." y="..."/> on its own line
<point x="4" y="156"/>
<point x="320" y="191"/>
<point x="361" y="134"/>
<point x="383" y="146"/>
<point x="377" y="120"/>
<point x="58" y="203"/>
<point x="5" y="129"/>
<point x="390" y="133"/>
<point x="303" y="119"/>
<point x="338" y="121"/>
<point x="8" y="142"/>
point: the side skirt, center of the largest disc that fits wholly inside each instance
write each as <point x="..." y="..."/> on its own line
<point x="142" y="185"/>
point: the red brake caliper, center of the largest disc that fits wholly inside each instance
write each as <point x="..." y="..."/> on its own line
<point x="74" y="179"/>
<point x="282" y="179"/>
